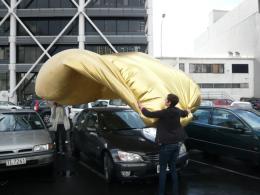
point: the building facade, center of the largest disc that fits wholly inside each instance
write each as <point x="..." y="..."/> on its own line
<point x="235" y="34"/>
<point x="37" y="29"/>
<point x="230" y="78"/>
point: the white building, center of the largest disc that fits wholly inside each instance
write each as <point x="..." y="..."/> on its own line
<point x="219" y="77"/>
<point x="234" y="34"/>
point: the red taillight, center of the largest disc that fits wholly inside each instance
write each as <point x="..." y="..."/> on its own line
<point x="36" y="105"/>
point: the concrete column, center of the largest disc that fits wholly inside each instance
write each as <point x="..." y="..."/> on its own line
<point x="12" y="55"/>
<point x="81" y="36"/>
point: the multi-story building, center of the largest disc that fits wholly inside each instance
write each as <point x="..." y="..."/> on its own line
<point x="235" y="34"/>
<point x="229" y="78"/>
<point x="37" y="29"/>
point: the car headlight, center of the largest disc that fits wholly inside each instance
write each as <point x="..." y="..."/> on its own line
<point x="182" y="150"/>
<point x="149" y="133"/>
<point x="129" y="157"/>
<point x="42" y="147"/>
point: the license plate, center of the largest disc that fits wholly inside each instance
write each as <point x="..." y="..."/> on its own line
<point x="158" y="168"/>
<point x="14" y="162"/>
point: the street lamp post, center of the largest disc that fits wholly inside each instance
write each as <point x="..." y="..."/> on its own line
<point x="163" y="16"/>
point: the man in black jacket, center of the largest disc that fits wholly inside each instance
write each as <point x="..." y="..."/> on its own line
<point x="169" y="136"/>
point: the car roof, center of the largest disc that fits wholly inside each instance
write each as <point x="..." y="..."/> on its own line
<point x="226" y="107"/>
<point x="108" y="109"/>
<point x="15" y="110"/>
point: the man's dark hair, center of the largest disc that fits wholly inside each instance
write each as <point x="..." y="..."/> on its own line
<point x="173" y="99"/>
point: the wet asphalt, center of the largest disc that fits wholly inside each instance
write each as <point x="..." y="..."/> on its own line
<point x="203" y="176"/>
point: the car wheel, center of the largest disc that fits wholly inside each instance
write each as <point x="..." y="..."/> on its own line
<point x="108" y="168"/>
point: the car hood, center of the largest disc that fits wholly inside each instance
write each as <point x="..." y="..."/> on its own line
<point x="23" y="139"/>
<point x="130" y="140"/>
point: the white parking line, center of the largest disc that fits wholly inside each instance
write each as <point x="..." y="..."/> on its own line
<point x="225" y="169"/>
<point x="92" y="170"/>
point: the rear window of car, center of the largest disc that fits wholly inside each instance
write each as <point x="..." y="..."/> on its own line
<point x="20" y="122"/>
<point x="121" y="120"/>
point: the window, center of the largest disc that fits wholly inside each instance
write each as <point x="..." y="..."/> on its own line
<point x="92" y="122"/>
<point x="20" y="122"/>
<point x="207" y="68"/>
<point x="110" y="26"/>
<point x="224" y="85"/>
<point x="239" y="68"/>
<point x="182" y="66"/>
<point x="119" y="120"/>
<point x="136" y="25"/>
<point x="122" y="3"/>
<point x="122" y="26"/>
<point x="224" y="118"/>
<point x="201" y="116"/>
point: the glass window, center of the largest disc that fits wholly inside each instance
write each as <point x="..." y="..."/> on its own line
<point x="91" y="123"/>
<point x="206" y="68"/>
<point x="239" y="68"/>
<point x="121" y="120"/>
<point x="42" y="3"/>
<point x="182" y="66"/>
<point x="96" y="3"/>
<point x="110" y="26"/>
<point x="122" y="3"/>
<point x="42" y="27"/>
<point x="136" y="3"/>
<point x="54" y="27"/>
<point x="109" y="3"/>
<point x="201" y="116"/>
<point x="5" y="28"/>
<point x="252" y="118"/>
<point x="122" y="26"/>
<point x="55" y="3"/>
<point x="136" y="26"/>
<point x="20" y="122"/>
<point x="224" y="118"/>
<point x="67" y="4"/>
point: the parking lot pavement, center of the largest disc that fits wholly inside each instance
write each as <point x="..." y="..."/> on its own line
<point x="201" y="177"/>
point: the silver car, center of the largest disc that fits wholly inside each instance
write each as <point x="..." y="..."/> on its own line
<point x="24" y="140"/>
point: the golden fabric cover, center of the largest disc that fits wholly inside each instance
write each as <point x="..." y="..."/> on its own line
<point x="79" y="76"/>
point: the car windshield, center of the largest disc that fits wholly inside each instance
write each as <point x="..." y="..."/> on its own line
<point x="252" y="118"/>
<point x="20" y="122"/>
<point x="121" y="120"/>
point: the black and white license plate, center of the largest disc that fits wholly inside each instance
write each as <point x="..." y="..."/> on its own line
<point x="16" y="161"/>
<point x="158" y="168"/>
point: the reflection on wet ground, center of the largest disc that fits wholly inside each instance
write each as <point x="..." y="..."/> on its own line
<point x="203" y="176"/>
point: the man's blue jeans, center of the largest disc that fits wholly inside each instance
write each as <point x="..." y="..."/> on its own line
<point x="168" y="156"/>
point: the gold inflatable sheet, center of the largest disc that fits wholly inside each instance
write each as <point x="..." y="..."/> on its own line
<point x="77" y="76"/>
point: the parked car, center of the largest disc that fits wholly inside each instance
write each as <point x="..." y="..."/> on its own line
<point x="226" y="131"/>
<point x="24" y="140"/>
<point x="75" y="109"/>
<point x="119" y="141"/>
<point x="222" y="102"/>
<point x="109" y="103"/>
<point x="246" y="105"/>
<point x="41" y="106"/>
<point x="8" y="105"/>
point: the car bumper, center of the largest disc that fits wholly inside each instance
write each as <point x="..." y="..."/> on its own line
<point x="128" y="171"/>
<point x="32" y="160"/>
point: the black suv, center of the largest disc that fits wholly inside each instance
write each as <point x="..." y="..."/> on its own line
<point x="119" y="141"/>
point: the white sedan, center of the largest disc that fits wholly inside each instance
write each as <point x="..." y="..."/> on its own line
<point x="8" y="105"/>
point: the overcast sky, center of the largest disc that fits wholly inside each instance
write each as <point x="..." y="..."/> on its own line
<point x="184" y="21"/>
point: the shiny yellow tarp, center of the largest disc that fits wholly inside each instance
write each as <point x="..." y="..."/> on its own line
<point x="79" y="76"/>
